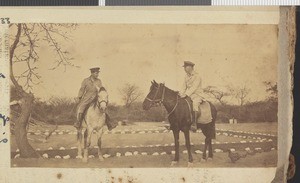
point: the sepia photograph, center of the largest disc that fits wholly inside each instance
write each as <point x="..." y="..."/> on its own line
<point x="143" y="95"/>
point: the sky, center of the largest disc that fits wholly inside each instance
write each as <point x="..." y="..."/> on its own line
<point x="224" y="55"/>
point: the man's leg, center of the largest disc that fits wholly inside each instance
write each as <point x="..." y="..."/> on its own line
<point x="109" y="123"/>
<point x="80" y="110"/>
<point x="194" y="124"/>
<point x="196" y="103"/>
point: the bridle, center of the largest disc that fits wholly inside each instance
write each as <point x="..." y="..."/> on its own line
<point x="161" y="100"/>
<point x="155" y="100"/>
<point x="98" y="104"/>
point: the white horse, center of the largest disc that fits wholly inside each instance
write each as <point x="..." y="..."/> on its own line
<point x="94" y="120"/>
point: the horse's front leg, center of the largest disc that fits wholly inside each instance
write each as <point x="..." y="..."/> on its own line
<point x="79" y="143"/>
<point x="87" y="143"/>
<point x="205" y="149"/>
<point x="210" y="151"/>
<point x="99" y="143"/>
<point x="188" y="146"/>
<point x="176" y="138"/>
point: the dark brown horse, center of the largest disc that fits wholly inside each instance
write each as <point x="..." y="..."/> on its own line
<point x="180" y="117"/>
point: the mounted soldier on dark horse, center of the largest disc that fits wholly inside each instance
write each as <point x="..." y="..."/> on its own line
<point x="183" y="111"/>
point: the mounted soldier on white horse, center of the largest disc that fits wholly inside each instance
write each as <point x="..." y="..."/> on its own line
<point x="87" y="93"/>
<point x="91" y="114"/>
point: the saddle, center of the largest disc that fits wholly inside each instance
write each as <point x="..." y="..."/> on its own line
<point x="204" y="114"/>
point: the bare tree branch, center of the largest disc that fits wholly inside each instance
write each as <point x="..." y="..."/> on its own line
<point x="29" y="37"/>
<point x="217" y="93"/>
<point x="11" y="54"/>
<point x="271" y="89"/>
<point x="24" y="50"/>
<point x="240" y="93"/>
<point x="130" y="93"/>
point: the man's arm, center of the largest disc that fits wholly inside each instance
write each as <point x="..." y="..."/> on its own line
<point x="100" y="83"/>
<point x="196" y="85"/>
<point x="82" y="89"/>
<point x="107" y="99"/>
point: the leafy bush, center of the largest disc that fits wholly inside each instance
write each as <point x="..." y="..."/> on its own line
<point x="56" y="110"/>
<point x="261" y="111"/>
<point x="63" y="111"/>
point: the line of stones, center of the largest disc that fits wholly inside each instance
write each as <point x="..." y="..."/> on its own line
<point x="162" y="145"/>
<point x="221" y="131"/>
<point x="157" y="150"/>
<point x="257" y="140"/>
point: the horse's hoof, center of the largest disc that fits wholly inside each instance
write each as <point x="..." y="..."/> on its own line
<point x="101" y="158"/>
<point x="173" y="163"/>
<point x="190" y="164"/>
<point x="209" y="159"/>
<point x="85" y="159"/>
<point x="79" y="157"/>
<point x="202" y="160"/>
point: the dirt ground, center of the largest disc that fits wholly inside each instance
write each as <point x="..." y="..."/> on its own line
<point x="264" y="159"/>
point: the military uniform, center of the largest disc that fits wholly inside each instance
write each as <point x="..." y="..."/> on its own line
<point x="192" y="87"/>
<point x="87" y="93"/>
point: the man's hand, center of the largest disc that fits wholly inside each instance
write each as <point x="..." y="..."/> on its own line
<point x="77" y="99"/>
<point x="182" y="95"/>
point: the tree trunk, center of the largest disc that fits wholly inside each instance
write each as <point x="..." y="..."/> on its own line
<point x="26" y="151"/>
<point x="127" y="113"/>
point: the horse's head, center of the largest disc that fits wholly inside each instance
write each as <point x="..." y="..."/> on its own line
<point x="155" y="96"/>
<point x="102" y="99"/>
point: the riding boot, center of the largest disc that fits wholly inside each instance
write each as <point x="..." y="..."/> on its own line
<point x="194" y="124"/>
<point x="109" y="123"/>
<point x="77" y="123"/>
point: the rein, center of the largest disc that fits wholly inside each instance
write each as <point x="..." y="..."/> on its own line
<point x="161" y="100"/>
<point x="173" y="107"/>
<point x="98" y="103"/>
<point x="154" y="100"/>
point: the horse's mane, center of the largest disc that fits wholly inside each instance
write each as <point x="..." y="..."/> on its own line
<point x="175" y="92"/>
